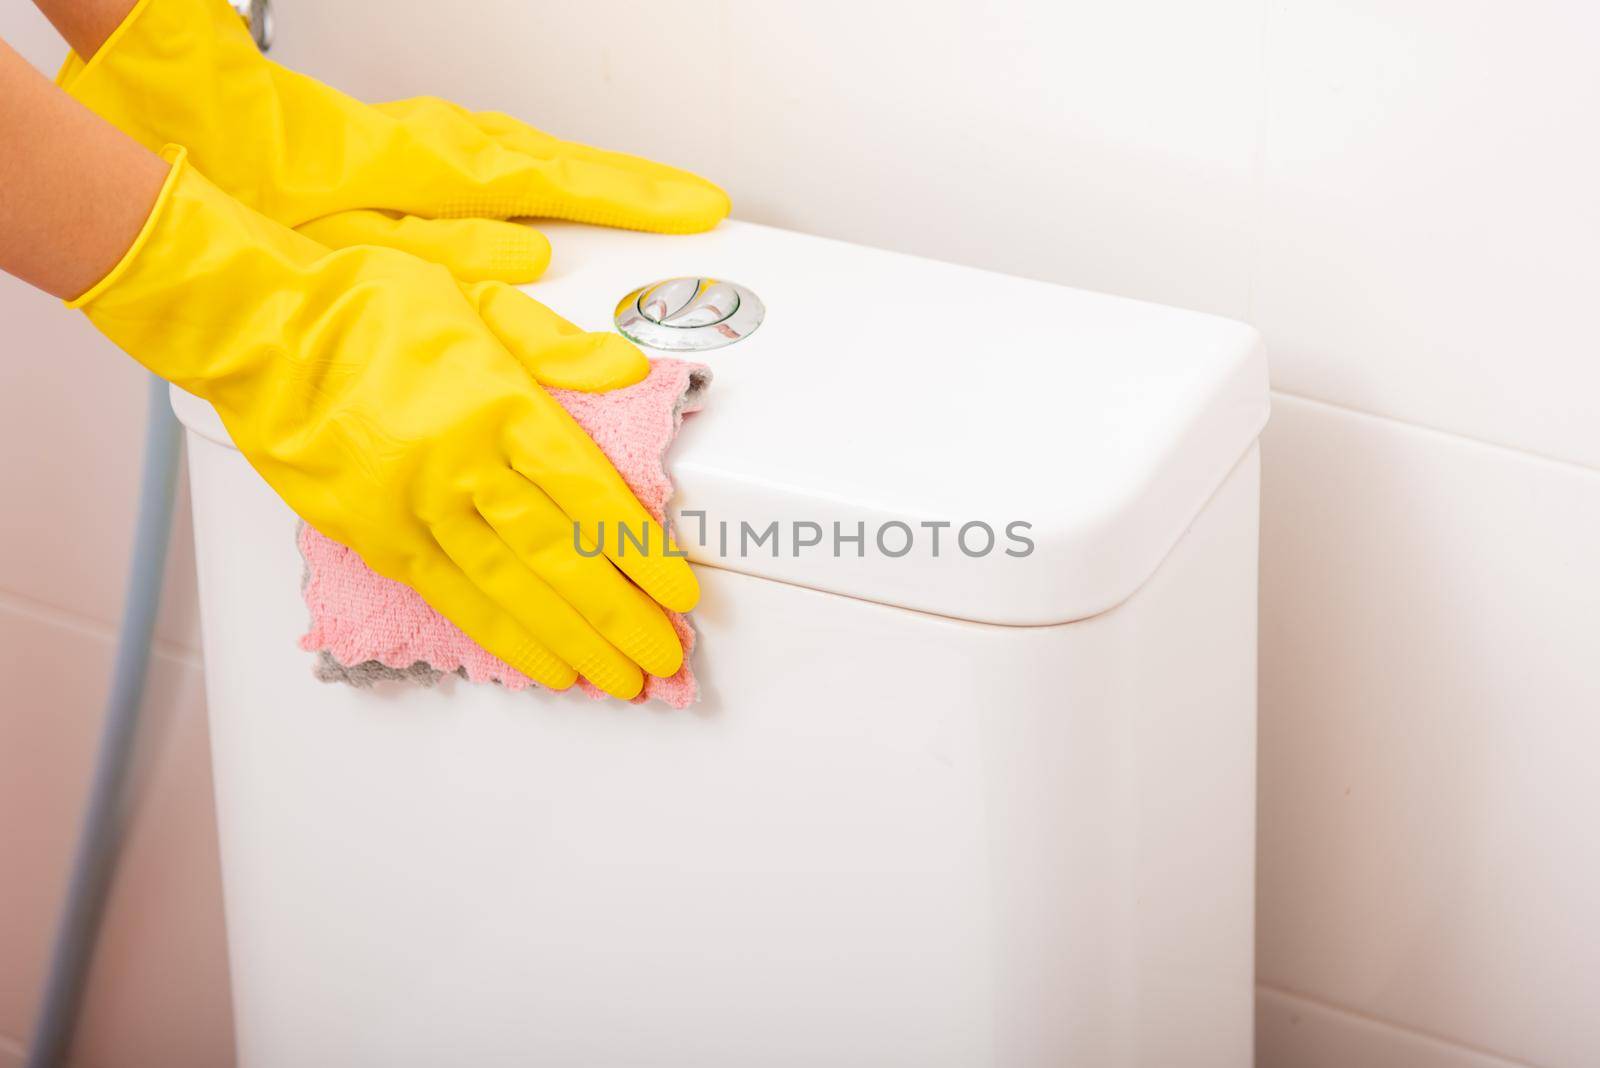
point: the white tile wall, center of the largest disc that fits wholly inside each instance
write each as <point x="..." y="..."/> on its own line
<point x="77" y="412"/>
<point x="1430" y="214"/>
<point x="1400" y="195"/>
<point x="1429" y="691"/>
<point x="1293" y="1032"/>
<point x="1110" y="146"/>
<point x="158" y="994"/>
<point x="27" y="31"/>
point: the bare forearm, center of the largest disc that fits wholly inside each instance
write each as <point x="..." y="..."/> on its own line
<point x="85" y="23"/>
<point x="74" y="190"/>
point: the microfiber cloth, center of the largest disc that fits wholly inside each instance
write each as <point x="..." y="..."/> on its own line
<point x="366" y="628"/>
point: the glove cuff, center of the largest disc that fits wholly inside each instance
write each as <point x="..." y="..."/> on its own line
<point x="73" y="66"/>
<point x="178" y="157"/>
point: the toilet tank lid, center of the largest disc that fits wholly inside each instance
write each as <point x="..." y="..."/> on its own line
<point x="926" y="435"/>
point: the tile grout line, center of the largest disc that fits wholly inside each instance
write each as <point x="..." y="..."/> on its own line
<point x="1388" y="1025"/>
<point x="1449" y="435"/>
<point x="92" y="628"/>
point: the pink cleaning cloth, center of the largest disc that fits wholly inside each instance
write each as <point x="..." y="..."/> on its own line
<point x="366" y="628"/>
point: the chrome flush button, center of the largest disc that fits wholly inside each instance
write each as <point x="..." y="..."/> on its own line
<point x="689" y="314"/>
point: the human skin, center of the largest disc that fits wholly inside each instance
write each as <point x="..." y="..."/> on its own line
<point x="74" y="190"/>
<point x="77" y="190"/>
<point x="75" y="194"/>
<point x="85" y="24"/>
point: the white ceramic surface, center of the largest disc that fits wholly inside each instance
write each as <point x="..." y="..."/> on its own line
<point x="1420" y="279"/>
<point x="978" y="846"/>
<point x="886" y="389"/>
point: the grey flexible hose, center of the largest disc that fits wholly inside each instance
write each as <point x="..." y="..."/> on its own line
<point x="100" y="836"/>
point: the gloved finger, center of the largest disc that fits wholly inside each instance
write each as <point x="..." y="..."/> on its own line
<point x="443" y="585"/>
<point x="541" y="535"/>
<point x="557" y="353"/>
<point x="490" y="563"/>
<point x="473" y="249"/>
<point x="559" y="179"/>
<point x="518" y="136"/>
<point x="576" y="475"/>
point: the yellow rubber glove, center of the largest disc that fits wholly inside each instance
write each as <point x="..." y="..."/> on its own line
<point x="396" y="410"/>
<point x="421" y="175"/>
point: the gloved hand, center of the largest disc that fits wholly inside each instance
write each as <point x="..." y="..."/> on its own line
<point x="396" y="409"/>
<point x="421" y="175"/>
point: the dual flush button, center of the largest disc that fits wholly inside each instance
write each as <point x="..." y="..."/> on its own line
<point x="689" y="314"/>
